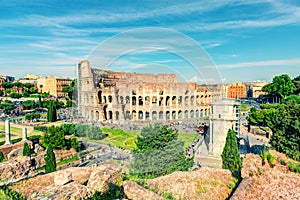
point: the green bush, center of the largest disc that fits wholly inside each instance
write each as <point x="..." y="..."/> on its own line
<point x="50" y="160"/>
<point x="26" y="149"/>
<point x="271" y="159"/>
<point x="1" y="156"/>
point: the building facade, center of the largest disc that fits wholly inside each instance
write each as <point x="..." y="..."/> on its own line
<point x="117" y="96"/>
<point x="236" y="90"/>
<point x="53" y="85"/>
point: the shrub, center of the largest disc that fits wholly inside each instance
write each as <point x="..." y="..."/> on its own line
<point x="50" y="160"/>
<point x="26" y="149"/>
<point x="271" y="159"/>
<point x="1" y="156"/>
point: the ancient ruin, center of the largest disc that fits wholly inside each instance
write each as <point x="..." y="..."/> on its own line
<point x="7" y="132"/>
<point x="118" y="96"/>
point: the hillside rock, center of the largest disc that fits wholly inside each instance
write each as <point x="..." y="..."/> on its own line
<point x="15" y="169"/>
<point x="251" y="164"/>
<point x="103" y="176"/>
<point x="15" y="153"/>
<point x="62" y="178"/>
<point x="266" y="182"/>
<point x="72" y="183"/>
<point x="136" y="192"/>
<point x="205" y="183"/>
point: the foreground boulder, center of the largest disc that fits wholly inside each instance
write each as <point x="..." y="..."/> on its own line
<point x="267" y="181"/>
<point x="204" y="183"/>
<point x="15" y="169"/>
<point x="136" y="192"/>
<point x="72" y="183"/>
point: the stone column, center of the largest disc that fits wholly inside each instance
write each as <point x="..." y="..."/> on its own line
<point x="7" y="132"/>
<point x="24" y="134"/>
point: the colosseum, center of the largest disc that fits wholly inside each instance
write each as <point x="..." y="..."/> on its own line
<point x="119" y="96"/>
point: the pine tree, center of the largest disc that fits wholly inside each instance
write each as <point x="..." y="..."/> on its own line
<point x="159" y="152"/>
<point x="1" y="156"/>
<point x="26" y="149"/>
<point x="50" y="160"/>
<point x="230" y="156"/>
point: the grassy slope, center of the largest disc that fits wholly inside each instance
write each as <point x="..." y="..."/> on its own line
<point x="126" y="139"/>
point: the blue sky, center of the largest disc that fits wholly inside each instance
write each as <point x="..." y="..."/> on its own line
<point x="247" y="40"/>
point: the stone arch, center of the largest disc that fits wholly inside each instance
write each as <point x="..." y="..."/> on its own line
<point x="121" y="100"/>
<point x="167" y="101"/>
<point x="154" y="115"/>
<point x="117" y="115"/>
<point x="97" y="115"/>
<point x="104" y="99"/>
<point x="105" y="112"/>
<point x="100" y="96"/>
<point x="186" y="114"/>
<point x="147" y="115"/>
<point x="173" y="114"/>
<point x="174" y="101"/>
<point x="180" y="100"/>
<point x="179" y="114"/>
<point x="161" y="100"/>
<point x="186" y="101"/>
<point x="141" y="101"/>
<point x="192" y="100"/>
<point x="127" y="99"/>
<point x="147" y="100"/>
<point x="134" y="115"/>
<point x="154" y="100"/>
<point x="110" y="99"/>
<point x="201" y="113"/>
<point x="167" y="115"/>
<point x="197" y="113"/>
<point x="140" y="115"/>
<point x="133" y="100"/>
<point x="127" y="115"/>
<point x="110" y="114"/>
<point x="161" y="115"/>
<point x="192" y="114"/>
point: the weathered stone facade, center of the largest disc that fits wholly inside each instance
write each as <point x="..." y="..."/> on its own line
<point x="118" y="96"/>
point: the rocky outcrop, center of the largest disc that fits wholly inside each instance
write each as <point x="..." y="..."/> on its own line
<point x="15" y="169"/>
<point x="251" y="164"/>
<point x="15" y="153"/>
<point x="267" y="181"/>
<point x="205" y="183"/>
<point x="103" y="177"/>
<point x="72" y="183"/>
<point x="63" y="177"/>
<point x="136" y="192"/>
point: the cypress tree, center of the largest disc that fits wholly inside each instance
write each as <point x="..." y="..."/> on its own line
<point x="51" y="114"/>
<point x="1" y="156"/>
<point x="26" y="149"/>
<point x="50" y="160"/>
<point x="230" y="156"/>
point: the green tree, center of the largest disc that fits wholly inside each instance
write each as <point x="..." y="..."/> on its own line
<point x="51" y="114"/>
<point x="1" y="93"/>
<point x="18" y="85"/>
<point x="28" y="86"/>
<point x="7" y="85"/>
<point x="29" y="104"/>
<point x="281" y="86"/>
<point x="25" y="93"/>
<point x="50" y="160"/>
<point x="15" y="95"/>
<point x="159" y="152"/>
<point x="1" y="156"/>
<point x="55" y="137"/>
<point x="230" y="156"/>
<point x="7" y="106"/>
<point x="75" y="144"/>
<point x="296" y="82"/>
<point x="26" y="149"/>
<point x="285" y="126"/>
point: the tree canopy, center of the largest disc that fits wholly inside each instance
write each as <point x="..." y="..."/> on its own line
<point x="230" y="156"/>
<point x="281" y="86"/>
<point x="159" y="152"/>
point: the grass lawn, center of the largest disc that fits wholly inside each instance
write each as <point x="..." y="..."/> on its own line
<point x="126" y="139"/>
<point x="120" y="138"/>
<point x="187" y="138"/>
